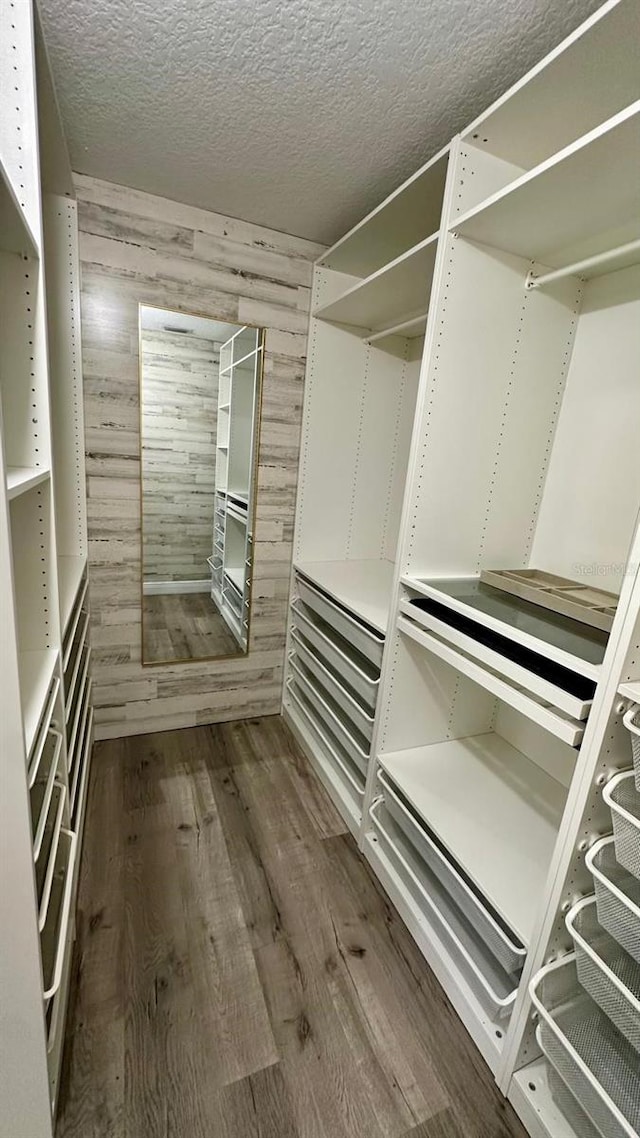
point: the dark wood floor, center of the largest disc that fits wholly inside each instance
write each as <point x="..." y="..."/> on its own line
<point x="239" y="973"/>
<point x="184" y="626"/>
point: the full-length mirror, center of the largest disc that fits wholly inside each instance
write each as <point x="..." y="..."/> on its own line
<point x="200" y="388"/>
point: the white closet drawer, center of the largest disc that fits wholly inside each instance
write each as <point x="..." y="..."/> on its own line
<point x="332" y="751"/>
<point x="47" y="854"/>
<point x="75" y="711"/>
<point x="499" y="940"/>
<point x="363" y="638"/>
<point x="495" y="988"/>
<point x="605" y="970"/>
<point x="356" y="713"/>
<point x="53" y="939"/>
<point x="502" y="655"/>
<point x="41" y="783"/>
<point x="557" y="723"/>
<point x="329" y="713"/>
<point x="82" y="765"/>
<point x="598" y="1065"/>
<point x="338" y="654"/>
<point x="75" y="666"/>
<point x="79" y="611"/>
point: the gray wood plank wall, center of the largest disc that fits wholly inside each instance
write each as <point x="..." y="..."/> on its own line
<point x="179" y="416"/>
<point x="137" y="248"/>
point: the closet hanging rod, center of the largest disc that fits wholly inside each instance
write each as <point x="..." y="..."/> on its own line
<point x="534" y="281"/>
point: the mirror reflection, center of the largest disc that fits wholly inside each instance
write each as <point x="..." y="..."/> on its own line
<point x="200" y="387"/>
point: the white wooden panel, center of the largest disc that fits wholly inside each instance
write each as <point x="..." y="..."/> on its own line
<point x="549" y="753"/>
<point x="592" y="491"/>
<point x="34" y="577"/>
<point x="493" y="389"/>
<point x="65" y="373"/>
<point x="402" y="442"/>
<point x="428" y="701"/>
<point x="18" y="116"/>
<point x="388" y="388"/>
<point x="23" y="367"/>
<point x="333" y="403"/>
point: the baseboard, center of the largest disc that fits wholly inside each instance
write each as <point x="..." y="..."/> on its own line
<point x="160" y="588"/>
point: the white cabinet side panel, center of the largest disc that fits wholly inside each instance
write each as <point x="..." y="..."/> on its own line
<point x="18" y="116"/>
<point x="65" y="373"/>
<point x="384" y="394"/>
<point x="333" y="406"/>
<point x="493" y="390"/>
<point x="402" y="443"/>
<point x="592" y="490"/>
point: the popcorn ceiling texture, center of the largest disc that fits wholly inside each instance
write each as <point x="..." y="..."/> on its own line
<point x="296" y="114"/>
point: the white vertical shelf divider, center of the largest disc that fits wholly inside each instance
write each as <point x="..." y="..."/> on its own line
<point x="43" y="548"/>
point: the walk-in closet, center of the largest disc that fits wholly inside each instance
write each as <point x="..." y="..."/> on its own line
<point x="320" y="700"/>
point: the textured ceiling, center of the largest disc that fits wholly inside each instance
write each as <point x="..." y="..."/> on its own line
<point x="296" y="114"/>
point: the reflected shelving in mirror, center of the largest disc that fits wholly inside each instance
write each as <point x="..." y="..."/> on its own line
<point x="200" y="389"/>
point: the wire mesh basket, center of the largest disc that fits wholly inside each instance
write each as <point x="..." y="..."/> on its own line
<point x="617" y="896"/>
<point x="632" y="723"/>
<point x="606" y="971"/>
<point x="499" y="939"/>
<point x="596" y="1062"/>
<point x="623" y="799"/>
<point x="569" y="1107"/>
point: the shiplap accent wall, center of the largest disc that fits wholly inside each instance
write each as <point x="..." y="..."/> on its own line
<point x="179" y="413"/>
<point x="139" y="248"/>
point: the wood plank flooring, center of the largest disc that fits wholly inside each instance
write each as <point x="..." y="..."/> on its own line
<point x="184" y="626"/>
<point x="239" y="972"/>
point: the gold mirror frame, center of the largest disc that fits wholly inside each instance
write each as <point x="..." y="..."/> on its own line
<point x="255" y="460"/>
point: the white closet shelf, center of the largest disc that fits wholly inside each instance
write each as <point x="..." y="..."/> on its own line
<point x="581" y="202"/>
<point x="590" y="76"/>
<point x="37" y="669"/>
<point x="15" y="232"/>
<point x="630" y="690"/>
<point x="399" y="222"/>
<point x="70" y="570"/>
<point x="23" y="478"/>
<point x="396" y="293"/>
<point x="495" y="811"/>
<point x="362" y="587"/>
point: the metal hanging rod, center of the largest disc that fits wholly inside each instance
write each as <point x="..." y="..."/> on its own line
<point x="534" y="281"/>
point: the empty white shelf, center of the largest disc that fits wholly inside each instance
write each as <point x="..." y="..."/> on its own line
<point x="363" y="587"/>
<point x="15" y="232"/>
<point x="36" y="674"/>
<point x="495" y="811"/>
<point x="630" y="690"/>
<point x="580" y="202"/>
<point x="70" y="570"/>
<point x="408" y="215"/>
<point x="23" y="478"/>
<point x="397" y="292"/>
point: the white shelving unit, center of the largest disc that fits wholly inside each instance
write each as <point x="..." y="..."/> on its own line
<point x="239" y="393"/>
<point x="483" y="357"/>
<point x="43" y="562"/>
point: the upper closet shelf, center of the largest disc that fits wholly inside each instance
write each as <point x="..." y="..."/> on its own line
<point x="496" y="812"/>
<point x="401" y="221"/>
<point x="362" y="587"/>
<point x="396" y="293"/>
<point x="589" y="77"/>
<point x="579" y="203"/>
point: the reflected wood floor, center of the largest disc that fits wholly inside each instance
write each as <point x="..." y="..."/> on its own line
<point x="184" y="626"/>
<point x="239" y="973"/>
